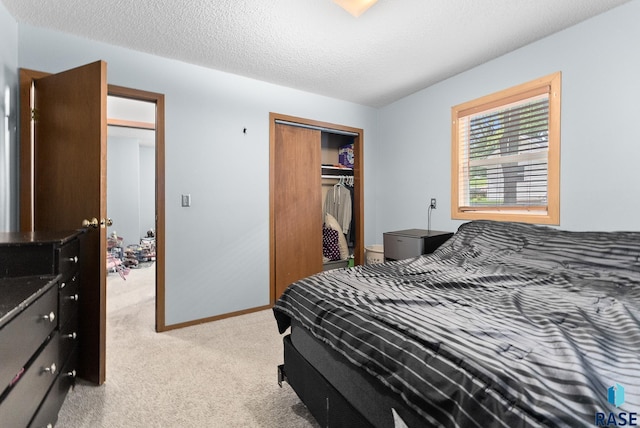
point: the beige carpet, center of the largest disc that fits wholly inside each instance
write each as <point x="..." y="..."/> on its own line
<point x="219" y="374"/>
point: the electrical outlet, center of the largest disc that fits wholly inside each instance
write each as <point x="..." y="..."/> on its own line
<point x="186" y="200"/>
<point x="432" y="205"/>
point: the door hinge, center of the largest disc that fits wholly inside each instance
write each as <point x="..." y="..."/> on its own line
<point x="35" y="115"/>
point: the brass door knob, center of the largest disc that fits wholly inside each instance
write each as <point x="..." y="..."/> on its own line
<point x="94" y="223"/>
<point x="90" y="223"/>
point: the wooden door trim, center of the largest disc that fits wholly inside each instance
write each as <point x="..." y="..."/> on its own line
<point x="358" y="173"/>
<point x="158" y="99"/>
<point x="27" y="77"/>
<point x="131" y="124"/>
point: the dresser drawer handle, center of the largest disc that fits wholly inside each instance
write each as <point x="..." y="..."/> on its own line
<point x="71" y="336"/>
<point x="51" y="317"/>
<point x="72" y="373"/>
<point x="52" y="369"/>
<point x="74" y="297"/>
<point x="62" y="285"/>
<point x="73" y="259"/>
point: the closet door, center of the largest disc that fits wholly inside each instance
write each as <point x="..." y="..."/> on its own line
<point x="297" y="204"/>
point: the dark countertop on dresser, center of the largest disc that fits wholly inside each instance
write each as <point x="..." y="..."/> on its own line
<point x="18" y="293"/>
<point x="18" y="238"/>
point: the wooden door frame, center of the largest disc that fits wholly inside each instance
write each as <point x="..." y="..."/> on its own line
<point x="158" y="99"/>
<point x="358" y="174"/>
<point x="27" y="78"/>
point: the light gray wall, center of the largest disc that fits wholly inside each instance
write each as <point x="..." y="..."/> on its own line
<point x="123" y="188"/>
<point x="600" y="148"/>
<point x="147" y="195"/>
<point x="8" y="122"/>
<point x="218" y="249"/>
<point x="130" y="188"/>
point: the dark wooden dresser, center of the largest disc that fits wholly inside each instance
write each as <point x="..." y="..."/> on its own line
<point x="39" y="292"/>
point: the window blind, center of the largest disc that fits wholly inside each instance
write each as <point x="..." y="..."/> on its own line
<point x="503" y="155"/>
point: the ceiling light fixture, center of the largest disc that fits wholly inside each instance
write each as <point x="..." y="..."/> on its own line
<point x="355" y="7"/>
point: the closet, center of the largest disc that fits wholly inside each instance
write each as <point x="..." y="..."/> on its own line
<point x="304" y="169"/>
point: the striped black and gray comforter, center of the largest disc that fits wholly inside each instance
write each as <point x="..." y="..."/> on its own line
<point x="505" y="325"/>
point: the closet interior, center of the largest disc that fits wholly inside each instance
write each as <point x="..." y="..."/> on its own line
<point x="338" y="229"/>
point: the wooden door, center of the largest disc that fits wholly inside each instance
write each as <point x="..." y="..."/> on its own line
<point x="70" y="130"/>
<point x="297" y="193"/>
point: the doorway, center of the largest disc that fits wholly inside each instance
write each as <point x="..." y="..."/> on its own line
<point x="92" y="308"/>
<point x="131" y="177"/>
<point x="138" y="113"/>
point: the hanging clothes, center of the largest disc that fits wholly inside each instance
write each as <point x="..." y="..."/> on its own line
<point x="338" y="204"/>
<point x="351" y="235"/>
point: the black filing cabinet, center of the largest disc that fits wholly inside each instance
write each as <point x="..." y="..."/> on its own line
<point x="403" y="244"/>
<point x="39" y="295"/>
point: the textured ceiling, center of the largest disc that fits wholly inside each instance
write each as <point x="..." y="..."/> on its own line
<point x="394" y="49"/>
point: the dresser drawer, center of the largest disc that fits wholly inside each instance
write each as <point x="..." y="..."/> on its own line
<point x="68" y="338"/>
<point x="47" y="414"/>
<point x="25" y="333"/>
<point x="17" y="409"/>
<point x="68" y="258"/>
<point x="68" y="294"/>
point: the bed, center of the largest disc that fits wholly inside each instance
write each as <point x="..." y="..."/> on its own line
<point x="505" y="325"/>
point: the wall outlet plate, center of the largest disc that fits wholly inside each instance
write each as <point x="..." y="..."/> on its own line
<point x="186" y="200"/>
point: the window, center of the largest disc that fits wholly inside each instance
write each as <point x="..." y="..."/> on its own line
<point x="506" y="155"/>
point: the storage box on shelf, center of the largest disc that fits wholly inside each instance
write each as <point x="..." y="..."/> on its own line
<point x="345" y="155"/>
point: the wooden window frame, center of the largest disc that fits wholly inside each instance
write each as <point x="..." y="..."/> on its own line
<point x="550" y="214"/>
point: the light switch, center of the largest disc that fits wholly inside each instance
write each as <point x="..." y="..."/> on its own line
<point x="186" y="200"/>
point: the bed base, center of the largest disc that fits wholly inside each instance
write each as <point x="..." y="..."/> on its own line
<point x="327" y="405"/>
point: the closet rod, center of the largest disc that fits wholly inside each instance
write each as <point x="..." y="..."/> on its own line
<point x="317" y="128"/>
<point x="336" y="176"/>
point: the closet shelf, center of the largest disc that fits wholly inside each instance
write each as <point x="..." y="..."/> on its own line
<point x="330" y="171"/>
<point x="339" y="168"/>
